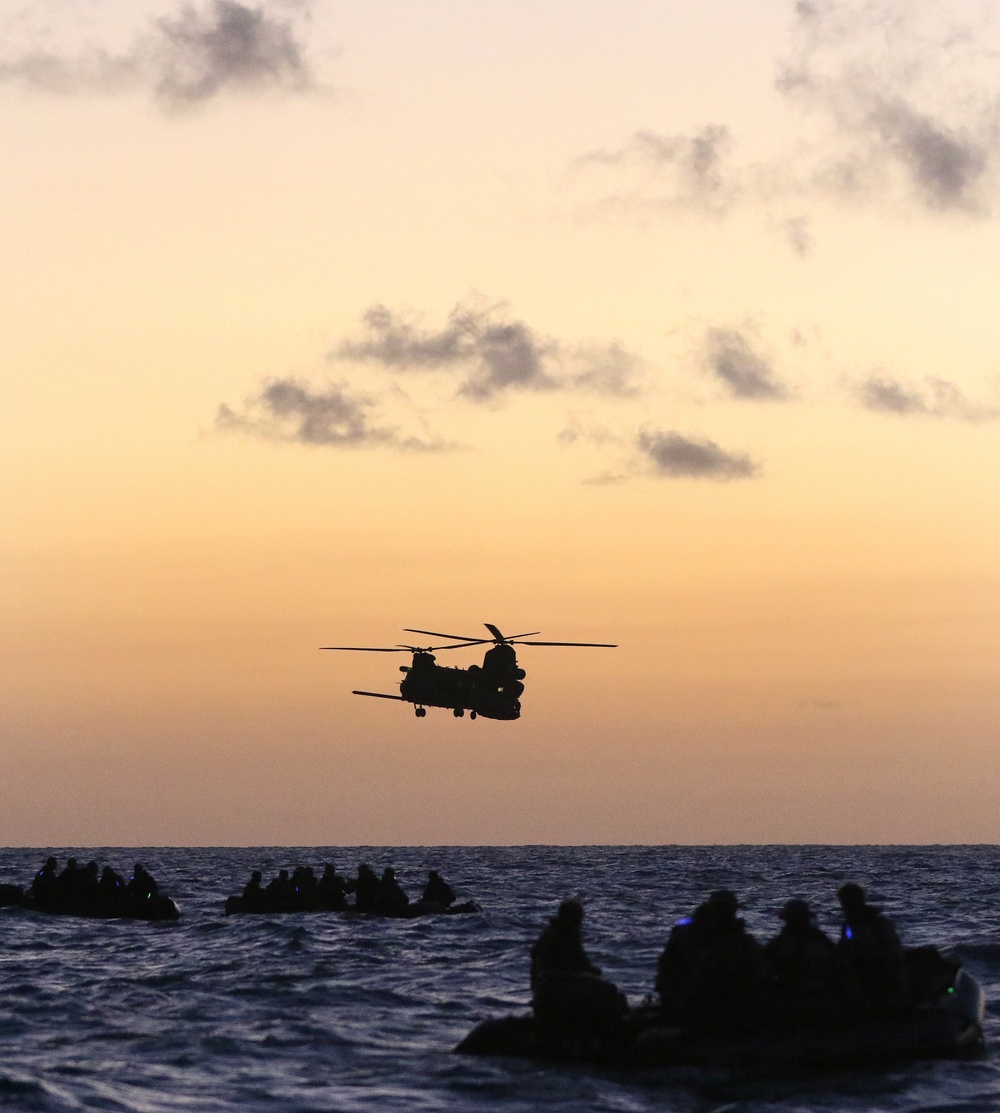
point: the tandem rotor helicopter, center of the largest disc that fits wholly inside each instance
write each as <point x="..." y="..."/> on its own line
<point x="492" y="689"/>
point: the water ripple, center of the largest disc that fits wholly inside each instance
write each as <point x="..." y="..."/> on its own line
<point x="312" y="1012"/>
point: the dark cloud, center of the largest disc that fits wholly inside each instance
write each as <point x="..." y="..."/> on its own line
<point x="184" y="59"/>
<point x="690" y="171"/>
<point x="937" y="398"/>
<point x="945" y="166"/>
<point x="229" y="46"/>
<point x="678" y="457"/>
<point x="494" y="353"/>
<point x="292" y="411"/>
<point x="739" y="368"/>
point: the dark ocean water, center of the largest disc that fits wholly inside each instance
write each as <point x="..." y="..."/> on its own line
<point x="329" y="1012"/>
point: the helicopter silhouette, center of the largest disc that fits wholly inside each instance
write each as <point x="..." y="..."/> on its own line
<point x="492" y="689"/>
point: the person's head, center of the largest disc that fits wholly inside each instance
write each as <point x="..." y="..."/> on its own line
<point x="388" y="874"/>
<point x="433" y="876"/>
<point x="851" y="897"/>
<point x="724" y="903"/>
<point x="796" y="913"/>
<point x="571" y="913"/>
<point x="256" y="877"/>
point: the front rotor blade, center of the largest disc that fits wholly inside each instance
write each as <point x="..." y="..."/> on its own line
<point x="593" y="645"/>
<point x="369" y="648"/>
<point x="454" y="637"/>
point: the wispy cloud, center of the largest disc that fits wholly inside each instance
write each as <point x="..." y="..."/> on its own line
<point x="819" y="704"/>
<point x="905" y="94"/>
<point x="934" y="398"/>
<point x="745" y="374"/>
<point x="674" y="456"/>
<point x="493" y="353"/>
<point x="182" y="60"/>
<point x="292" y="411"/>
<point x="688" y="171"/>
<point x="890" y="103"/>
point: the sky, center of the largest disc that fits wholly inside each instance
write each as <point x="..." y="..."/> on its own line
<point x="664" y="324"/>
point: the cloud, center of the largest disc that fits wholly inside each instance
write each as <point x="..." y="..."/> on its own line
<point x="291" y="411"/>
<point x="611" y="370"/>
<point x="494" y="353"/>
<point x="677" y="457"/>
<point x="689" y="171"/>
<point x="183" y="60"/>
<point x="894" y="102"/>
<point x="905" y="95"/>
<point x="937" y="398"/>
<point x="739" y="368"/>
<point x="819" y="704"/>
<point x="576" y="431"/>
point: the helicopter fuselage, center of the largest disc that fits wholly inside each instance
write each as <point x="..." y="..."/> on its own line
<point x="492" y="690"/>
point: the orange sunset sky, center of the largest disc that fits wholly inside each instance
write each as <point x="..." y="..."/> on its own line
<point x="667" y="324"/>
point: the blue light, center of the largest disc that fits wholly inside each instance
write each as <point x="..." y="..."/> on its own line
<point x="848" y="933"/>
<point x="683" y="921"/>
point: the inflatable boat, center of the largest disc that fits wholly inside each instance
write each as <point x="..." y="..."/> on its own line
<point x="238" y="905"/>
<point x="119" y="908"/>
<point x="582" y="1018"/>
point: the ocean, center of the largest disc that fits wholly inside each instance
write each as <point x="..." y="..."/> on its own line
<point x="329" y="1012"/>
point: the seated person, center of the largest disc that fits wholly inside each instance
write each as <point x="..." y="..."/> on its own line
<point x="811" y="983"/>
<point x="331" y="889"/>
<point x="559" y="949"/>
<point x="869" y="942"/>
<point x="437" y="890"/>
<point x="391" y="900"/>
<point x="253" y="892"/>
<point x="366" y="889"/>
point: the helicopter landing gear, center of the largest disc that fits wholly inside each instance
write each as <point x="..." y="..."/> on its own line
<point x="420" y="712"/>
<point x="459" y="712"/>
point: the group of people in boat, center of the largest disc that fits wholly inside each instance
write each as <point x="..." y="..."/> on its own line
<point x="713" y="973"/>
<point x="303" y="891"/>
<point x="89" y="890"/>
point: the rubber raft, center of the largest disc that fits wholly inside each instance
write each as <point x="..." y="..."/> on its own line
<point x="237" y="906"/>
<point x="122" y="908"/>
<point x="949" y="1027"/>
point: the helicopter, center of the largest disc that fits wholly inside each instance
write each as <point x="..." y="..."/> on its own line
<point x="492" y="689"/>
